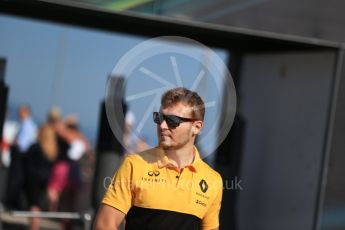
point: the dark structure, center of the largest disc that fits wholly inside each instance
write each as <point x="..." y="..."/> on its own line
<point x="109" y="148"/>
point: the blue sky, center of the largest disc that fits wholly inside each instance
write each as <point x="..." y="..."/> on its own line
<point x="53" y="64"/>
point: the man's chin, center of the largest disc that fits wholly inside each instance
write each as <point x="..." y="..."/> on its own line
<point x="165" y="145"/>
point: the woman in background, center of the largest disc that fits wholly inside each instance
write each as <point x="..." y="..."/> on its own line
<point x="38" y="165"/>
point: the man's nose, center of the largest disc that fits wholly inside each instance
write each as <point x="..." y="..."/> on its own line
<point x="164" y="125"/>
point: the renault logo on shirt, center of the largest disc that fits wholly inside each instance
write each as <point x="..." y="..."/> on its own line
<point x="153" y="173"/>
<point x="203" y="185"/>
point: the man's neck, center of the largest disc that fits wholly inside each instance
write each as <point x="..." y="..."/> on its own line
<point x="25" y="118"/>
<point x="181" y="157"/>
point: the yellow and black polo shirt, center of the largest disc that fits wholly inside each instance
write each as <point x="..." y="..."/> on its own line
<point x="154" y="194"/>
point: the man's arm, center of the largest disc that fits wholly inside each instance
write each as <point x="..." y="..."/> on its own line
<point x="108" y="218"/>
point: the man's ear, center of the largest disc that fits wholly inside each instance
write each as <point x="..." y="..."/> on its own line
<point x="197" y="127"/>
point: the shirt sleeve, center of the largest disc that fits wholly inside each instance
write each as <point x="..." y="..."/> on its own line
<point x="119" y="193"/>
<point x="211" y="218"/>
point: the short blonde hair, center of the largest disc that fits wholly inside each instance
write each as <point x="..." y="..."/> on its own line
<point x="187" y="97"/>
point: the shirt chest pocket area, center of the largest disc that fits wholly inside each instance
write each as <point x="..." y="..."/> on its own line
<point x="149" y="188"/>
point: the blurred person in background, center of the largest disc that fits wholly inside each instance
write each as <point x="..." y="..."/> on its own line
<point x="79" y="145"/>
<point x="54" y="119"/>
<point x="129" y="137"/>
<point x="66" y="180"/>
<point x="131" y="142"/>
<point x="27" y="131"/>
<point x="9" y="134"/>
<point x="60" y="178"/>
<point x="38" y="163"/>
<point x="26" y="136"/>
<point x="141" y="145"/>
<point x="82" y="162"/>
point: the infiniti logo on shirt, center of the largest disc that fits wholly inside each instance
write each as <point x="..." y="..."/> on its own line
<point x="153" y="173"/>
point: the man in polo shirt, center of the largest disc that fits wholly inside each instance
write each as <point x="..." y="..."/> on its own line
<point x="167" y="187"/>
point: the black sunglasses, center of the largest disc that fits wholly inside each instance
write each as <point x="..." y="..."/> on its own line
<point x="171" y="120"/>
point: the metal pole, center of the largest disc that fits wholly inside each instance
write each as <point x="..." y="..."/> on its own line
<point x="1" y="211"/>
<point x="54" y="215"/>
<point x="87" y="220"/>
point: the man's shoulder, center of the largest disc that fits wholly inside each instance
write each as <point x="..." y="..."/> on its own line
<point x="209" y="171"/>
<point x="147" y="156"/>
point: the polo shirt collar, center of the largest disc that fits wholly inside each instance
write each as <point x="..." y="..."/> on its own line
<point x="164" y="161"/>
